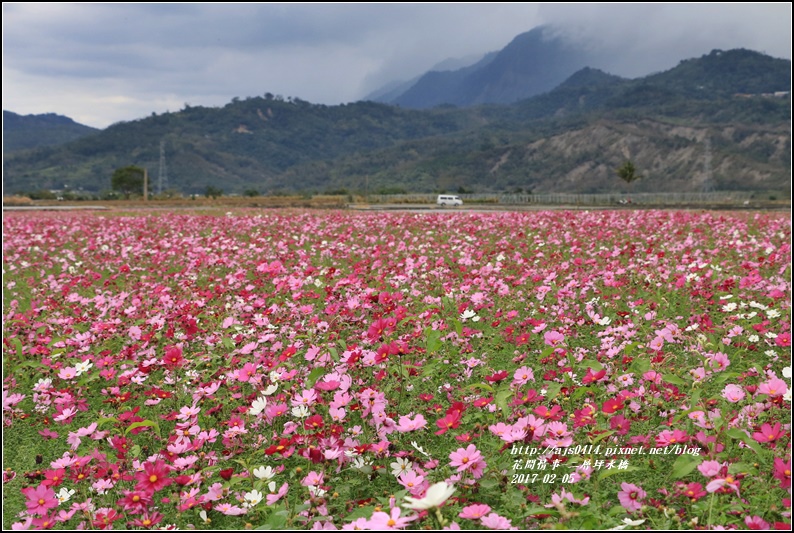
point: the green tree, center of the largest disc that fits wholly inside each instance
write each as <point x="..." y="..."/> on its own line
<point x="128" y="180"/>
<point x="213" y="192"/>
<point x="628" y="172"/>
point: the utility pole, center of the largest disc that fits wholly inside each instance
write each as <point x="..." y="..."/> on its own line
<point x="708" y="182"/>
<point x="162" y="178"/>
<point x="145" y="185"/>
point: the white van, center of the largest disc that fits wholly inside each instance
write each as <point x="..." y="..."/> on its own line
<point x="444" y="199"/>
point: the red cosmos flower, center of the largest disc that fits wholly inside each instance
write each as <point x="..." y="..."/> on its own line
<point x="154" y="477"/>
<point x="482" y="402"/>
<point x="551" y="414"/>
<point x="226" y="473"/>
<point x="281" y="448"/>
<point x="314" y="422"/>
<point x="173" y="357"/>
<point x="450" y="421"/>
<point x="497" y="376"/>
<point x="768" y="433"/>
<point x="590" y="377"/>
<point x="522" y="339"/>
<point x="104" y="520"/>
<point x="693" y="491"/>
<point x="426" y="397"/>
<point x="612" y="406"/>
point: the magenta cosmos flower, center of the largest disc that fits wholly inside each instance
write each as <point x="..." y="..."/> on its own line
<point x="40" y="500"/>
<point x="153" y="478"/>
<point x="631" y="497"/>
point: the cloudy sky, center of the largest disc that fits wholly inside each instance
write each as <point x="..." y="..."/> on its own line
<point x="104" y="63"/>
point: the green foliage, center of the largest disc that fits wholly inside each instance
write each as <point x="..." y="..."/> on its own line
<point x="628" y="172"/>
<point x="128" y="180"/>
<point x="213" y="192"/>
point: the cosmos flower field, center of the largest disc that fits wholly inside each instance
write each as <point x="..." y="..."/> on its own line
<point x="337" y="370"/>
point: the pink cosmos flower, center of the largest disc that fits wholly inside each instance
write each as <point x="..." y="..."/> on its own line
<point x="768" y="433"/>
<point x="307" y="397"/>
<point x="392" y="520"/>
<point x="553" y="338"/>
<point x="229" y="509"/>
<point x="475" y="511"/>
<point x="406" y="424"/>
<point x="727" y="482"/>
<point x="247" y="372"/>
<point x="667" y="437"/>
<point x="40" y="500"/>
<point x="656" y="344"/>
<point x="733" y="393"/>
<point x="774" y="387"/>
<point x="710" y="468"/>
<point x="494" y="521"/>
<point x="411" y="480"/>
<point x="631" y="497"/>
<point x="523" y="375"/>
<point x="756" y="522"/>
<point x="464" y="459"/>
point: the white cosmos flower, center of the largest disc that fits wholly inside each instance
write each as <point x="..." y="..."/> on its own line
<point x="64" y="495"/>
<point x="82" y="367"/>
<point x="252" y="498"/>
<point x="361" y="464"/>
<point x="264" y="472"/>
<point x="300" y="411"/>
<point x="786" y="372"/>
<point x="400" y="466"/>
<point x="419" y="448"/>
<point x="626" y="523"/>
<point x="270" y="389"/>
<point x="258" y="406"/>
<point x="435" y="496"/>
<point x="773" y="313"/>
<point x="468" y="313"/>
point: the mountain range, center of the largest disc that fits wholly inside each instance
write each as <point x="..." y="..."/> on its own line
<point x="530" y="117"/>
<point x="532" y="63"/>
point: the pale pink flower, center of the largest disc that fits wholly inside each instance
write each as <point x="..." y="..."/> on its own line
<point x="465" y="459"/>
<point x="710" y="468"/>
<point x="494" y="521"/>
<point x="631" y="497"/>
<point x="733" y="393"/>
<point x="392" y="520"/>
<point x="773" y="388"/>
<point x="475" y="511"/>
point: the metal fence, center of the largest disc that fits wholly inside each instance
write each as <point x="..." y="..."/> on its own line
<point x="663" y="198"/>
